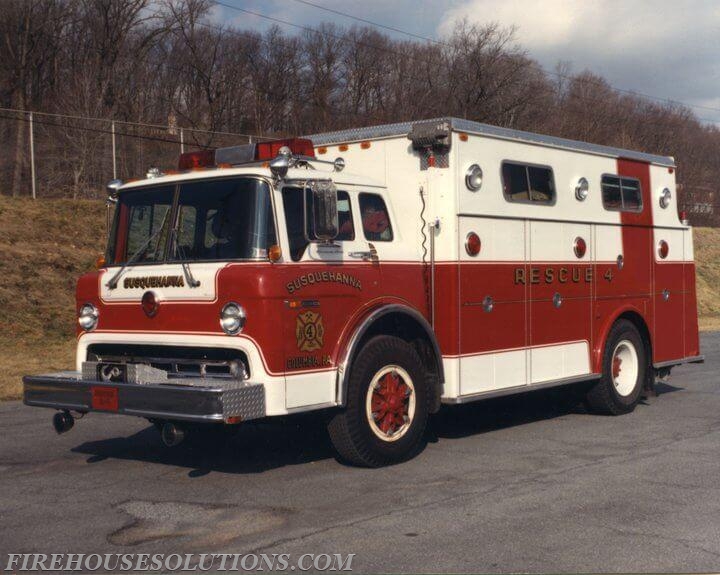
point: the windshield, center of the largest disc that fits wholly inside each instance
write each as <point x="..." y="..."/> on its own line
<point x="223" y="219"/>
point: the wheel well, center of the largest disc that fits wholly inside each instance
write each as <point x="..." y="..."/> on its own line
<point x="409" y="329"/>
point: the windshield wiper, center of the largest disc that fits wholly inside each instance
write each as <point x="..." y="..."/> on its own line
<point x="112" y="283"/>
<point x="192" y="282"/>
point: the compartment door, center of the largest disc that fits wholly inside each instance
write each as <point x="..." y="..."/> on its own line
<point x="493" y="336"/>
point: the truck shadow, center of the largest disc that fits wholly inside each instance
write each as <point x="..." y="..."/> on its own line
<point x="252" y="448"/>
<point x="301" y="439"/>
<point x="503" y="412"/>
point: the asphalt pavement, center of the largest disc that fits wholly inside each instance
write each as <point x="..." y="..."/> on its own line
<point x="523" y="484"/>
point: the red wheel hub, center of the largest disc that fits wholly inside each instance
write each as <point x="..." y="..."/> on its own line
<point x="390" y="403"/>
<point x="616" y="366"/>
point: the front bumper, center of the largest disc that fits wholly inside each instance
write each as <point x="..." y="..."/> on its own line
<point x="199" y="400"/>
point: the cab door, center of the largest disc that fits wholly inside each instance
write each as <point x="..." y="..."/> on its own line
<point x="324" y="283"/>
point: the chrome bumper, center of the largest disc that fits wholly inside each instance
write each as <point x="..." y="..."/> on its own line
<point x="195" y="400"/>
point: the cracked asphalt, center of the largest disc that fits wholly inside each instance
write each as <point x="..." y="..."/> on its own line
<point x="523" y="484"/>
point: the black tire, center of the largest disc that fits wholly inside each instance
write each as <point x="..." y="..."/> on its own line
<point x="356" y="439"/>
<point x="606" y="395"/>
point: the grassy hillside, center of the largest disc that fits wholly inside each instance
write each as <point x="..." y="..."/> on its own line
<point x="46" y="245"/>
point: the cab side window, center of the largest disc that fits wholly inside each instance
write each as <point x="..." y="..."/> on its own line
<point x="375" y="218"/>
<point x="293" y="203"/>
<point x="346" y="227"/>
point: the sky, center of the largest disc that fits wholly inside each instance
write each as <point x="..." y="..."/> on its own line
<point x="665" y="48"/>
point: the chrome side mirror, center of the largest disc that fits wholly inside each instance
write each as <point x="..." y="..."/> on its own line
<point x="324" y="211"/>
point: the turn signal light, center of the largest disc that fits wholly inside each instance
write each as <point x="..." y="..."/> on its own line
<point x="100" y="262"/>
<point x="274" y="253"/>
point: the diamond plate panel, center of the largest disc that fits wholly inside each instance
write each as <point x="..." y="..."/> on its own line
<point x="141" y="373"/>
<point x="89" y="370"/>
<point x="460" y="125"/>
<point x="246" y="401"/>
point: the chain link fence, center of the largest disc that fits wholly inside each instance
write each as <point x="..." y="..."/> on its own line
<point x="63" y="156"/>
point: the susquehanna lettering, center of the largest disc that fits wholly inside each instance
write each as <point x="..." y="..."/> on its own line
<point x="323" y="277"/>
<point x="153" y="282"/>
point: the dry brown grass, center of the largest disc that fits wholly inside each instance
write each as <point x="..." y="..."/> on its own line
<point x="46" y="244"/>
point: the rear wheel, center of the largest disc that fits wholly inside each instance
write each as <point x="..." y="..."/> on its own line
<point x="387" y="405"/>
<point x="624" y="371"/>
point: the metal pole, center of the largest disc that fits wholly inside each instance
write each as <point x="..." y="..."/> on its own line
<point x="112" y="128"/>
<point x="32" y="156"/>
<point x="182" y="141"/>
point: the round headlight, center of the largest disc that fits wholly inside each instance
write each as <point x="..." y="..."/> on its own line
<point x="582" y="189"/>
<point x="232" y="318"/>
<point x="88" y="317"/>
<point x="665" y="198"/>
<point x="473" y="178"/>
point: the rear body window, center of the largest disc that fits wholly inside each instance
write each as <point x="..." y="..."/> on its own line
<point x="375" y="218"/>
<point x="621" y="194"/>
<point x="527" y="183"/>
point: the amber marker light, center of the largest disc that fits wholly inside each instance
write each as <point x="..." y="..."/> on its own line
<point x="274" y="253"/>
<point x="100" y="262"/>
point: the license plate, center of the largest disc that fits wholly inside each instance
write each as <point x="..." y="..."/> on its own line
<point x="105" y="398"/>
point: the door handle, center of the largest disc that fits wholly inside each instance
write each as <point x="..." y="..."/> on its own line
<point x="370" y="255"/>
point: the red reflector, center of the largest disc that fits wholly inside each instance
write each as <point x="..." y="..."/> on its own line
<point x="663" y="249"/>
<point x="579" y="247"/>
<point x="150" y="304"/>
<point x="472" y="244"/>
<point x="201" y="159"/>
<point x="104" y="398"/>
<point x="298" y="146"/>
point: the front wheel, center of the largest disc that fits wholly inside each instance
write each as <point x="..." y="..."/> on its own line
<point x="387" y="405"/>
<point x="624" y="371"/>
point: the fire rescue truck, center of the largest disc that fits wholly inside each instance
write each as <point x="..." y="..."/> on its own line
<point x="376" y="274"/>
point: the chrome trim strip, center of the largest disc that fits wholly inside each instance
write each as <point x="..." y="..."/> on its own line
<point x="672" y="362"/>
<point x="519" y="389"/>
<point x="343" y="371"/>
<point x="458" y="124"/>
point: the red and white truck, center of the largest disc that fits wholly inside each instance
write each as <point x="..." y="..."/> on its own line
<point x="377" y="273"/>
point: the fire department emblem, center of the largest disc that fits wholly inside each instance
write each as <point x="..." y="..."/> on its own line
<point x="309" y="331"/>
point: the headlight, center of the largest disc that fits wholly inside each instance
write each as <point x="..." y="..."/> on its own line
<point x="473" y="178"/>
<point x="232" y="318"/>
<point x="88" y="317"/>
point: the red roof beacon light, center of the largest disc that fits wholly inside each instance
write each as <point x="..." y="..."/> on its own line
<point x="271" y="149"/>
<point x="199" y="159"/>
